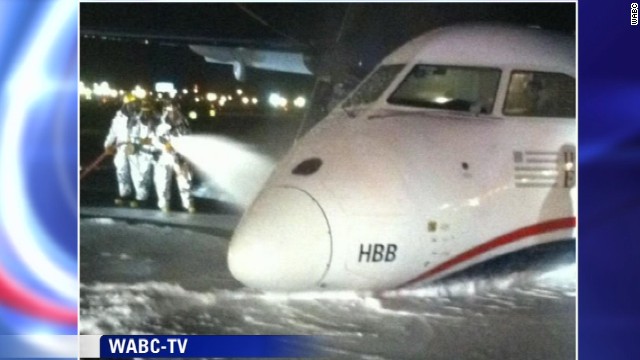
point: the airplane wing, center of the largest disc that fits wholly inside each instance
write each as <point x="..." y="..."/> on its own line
<point x="242" y="57"/>
<point x="267" y="54"/>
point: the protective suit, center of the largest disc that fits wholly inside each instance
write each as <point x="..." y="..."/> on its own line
<point x="172" y="125"/>
<point x="141" y="158"/>
<point x="118" y="143"/>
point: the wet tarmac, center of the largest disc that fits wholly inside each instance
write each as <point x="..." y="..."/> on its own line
<point x="141" y="278"/>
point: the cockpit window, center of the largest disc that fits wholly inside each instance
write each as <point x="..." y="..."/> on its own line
<point x="371" y="89"/>
<point x="449" y="87"/>
<point x="540" y="94"/>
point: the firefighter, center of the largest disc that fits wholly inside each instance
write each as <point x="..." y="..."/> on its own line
<point x="142" y="150"/>
<point x="118" y="144"/>
<point x="172" y="125"/>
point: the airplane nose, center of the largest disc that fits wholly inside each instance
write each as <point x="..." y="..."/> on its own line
<point x="283" y="242"/>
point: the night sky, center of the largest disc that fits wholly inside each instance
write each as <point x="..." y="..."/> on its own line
<point x="370" y="32"/>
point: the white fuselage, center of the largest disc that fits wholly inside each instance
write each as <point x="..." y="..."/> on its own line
<point x="393" y="194"/>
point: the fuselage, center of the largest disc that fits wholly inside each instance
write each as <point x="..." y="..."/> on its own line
<point x="445" y="156"/>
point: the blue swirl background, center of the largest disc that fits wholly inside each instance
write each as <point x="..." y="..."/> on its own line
<point x="609" y="168"/>
<point x="609" y="181"/>
<point x="38" y="164"/>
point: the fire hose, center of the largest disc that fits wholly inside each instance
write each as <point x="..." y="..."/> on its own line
<point x="94" y="164"/>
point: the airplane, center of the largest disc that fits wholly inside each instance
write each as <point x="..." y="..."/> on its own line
<point x="458" y="148"/>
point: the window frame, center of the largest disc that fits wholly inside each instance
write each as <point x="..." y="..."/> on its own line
<point x="346" y="103"/>
<point x="516" y="70"/>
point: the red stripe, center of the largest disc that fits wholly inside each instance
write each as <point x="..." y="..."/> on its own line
<point x="16" y="296"/>
<point x="509" y="238"/>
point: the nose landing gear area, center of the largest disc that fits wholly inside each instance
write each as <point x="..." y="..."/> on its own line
<point x="283" y="242"/>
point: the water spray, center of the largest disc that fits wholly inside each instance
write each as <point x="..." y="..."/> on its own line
<point x="235" y="168"/>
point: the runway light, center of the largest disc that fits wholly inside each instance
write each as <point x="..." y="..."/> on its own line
<point x="245" y="100"/>
<point x="274" y="99"/>
<point x="300" y="102"/>
<point x="212" y="112"/>
<point x="254" y="100"/>
<point x="193" y="115"/>
<point x="139" y="92"/>
<point x="197" y="99"/>
<point x="84" y="91"/>
<point x="239" y="91"/>
<point x="441" y="99"/>
<point x="212" y="96"/>
<point x="103" y="90"/>
<point x="167" y="87"/>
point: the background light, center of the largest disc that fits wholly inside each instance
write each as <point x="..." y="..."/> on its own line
<point x="300" y="102"/>
<point x="139" y="92"/>
<point x="167" y="87"/>
<point x="441" y="99"/>
<point x="274" y="99"/>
